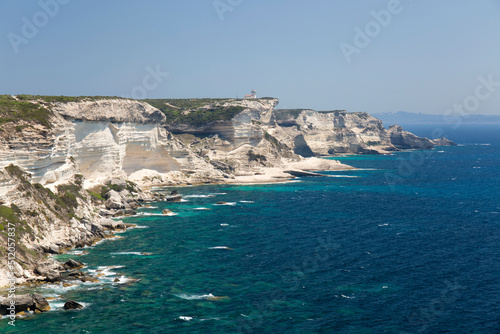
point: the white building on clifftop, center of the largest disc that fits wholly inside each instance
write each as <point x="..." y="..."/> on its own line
<point x="252" y="96"/>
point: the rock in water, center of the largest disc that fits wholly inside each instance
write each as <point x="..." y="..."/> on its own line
<point x="300" y="173"/>
<point x="167" y="212"/>
<point x="72" y="305"/>
<point x="89" y="279"/>
<point x="175" y="198"/>
<point x="444" y="142"/>
<point x="34" y="302"/>
<point x="72" y="264"/>
<point x="40" y="302"/>
<point x="174" y="192"/>
<point x="22" y="302"/>
<point x="221" y="203"/>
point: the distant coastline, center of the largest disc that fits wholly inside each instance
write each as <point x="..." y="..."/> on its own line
<point x="403" y="118"/>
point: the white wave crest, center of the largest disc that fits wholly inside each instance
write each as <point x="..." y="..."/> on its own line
<point x="199" y="196"/>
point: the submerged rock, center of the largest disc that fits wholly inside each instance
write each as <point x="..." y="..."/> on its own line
<point x="174" y="198"/>
<point x="167" y="212"/>
<point x="72" y="305"/>
<point x="300" y="173"/>
<point x="89" y="279"/>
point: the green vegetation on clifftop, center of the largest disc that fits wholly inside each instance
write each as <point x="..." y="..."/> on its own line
<point x="65" y="99"/>
<point x="12" y="110"/>
<point x="195" y="112"/>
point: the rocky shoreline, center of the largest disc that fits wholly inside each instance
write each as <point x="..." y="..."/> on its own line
<point x="117" y="201"/>
<point x="65" y="181"/>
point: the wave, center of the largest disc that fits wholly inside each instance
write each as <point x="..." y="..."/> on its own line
<point x="247" y="202"/>
<point x="123" y="280"/>
<point x="199" y="196"/>
<point x="224" y="224"/>
<point x="344" y="296"/>
<point x="199" y="297"/>
<point x="194" y="297"/>
<point x="56" y="290"/>
<point x="77" y="252"/>
<point x="220" y="247"/>
<point x="202" y="208"/>
<point x="218" y="194"/>
<point x="170" y="214"/>
<point x="227" y="203"/>
<point x="188" y="318"/>
<point x="264" y="183"/>
<point x="59" y="305"/>
<point x="131" y="253"/>
<point x="105" y="271"/>
<point x="149" y="214"/>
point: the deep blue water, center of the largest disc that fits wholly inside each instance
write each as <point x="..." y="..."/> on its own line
<point x="408" y="245"/>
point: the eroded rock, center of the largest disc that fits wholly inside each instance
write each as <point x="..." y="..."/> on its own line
<point x="72" y="305"/>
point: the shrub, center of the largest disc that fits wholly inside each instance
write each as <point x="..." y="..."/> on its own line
<point x="256" y="157"/>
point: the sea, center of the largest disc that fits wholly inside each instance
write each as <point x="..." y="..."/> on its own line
<point x="406" y="243"/>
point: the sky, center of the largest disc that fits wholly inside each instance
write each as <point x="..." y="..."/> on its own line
<point x="427" y="56"/>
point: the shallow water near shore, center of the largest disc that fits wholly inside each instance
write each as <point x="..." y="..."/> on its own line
<point x="411" y="245"/>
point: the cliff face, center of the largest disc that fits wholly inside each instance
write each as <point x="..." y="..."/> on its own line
<point x="120" y="138"/>
<point x="311" y="132"/>
<point x="43" y="221"/>
<point x="241" y="129"/>
<point x="110" y="110"/>
<point x="106" y="139"/>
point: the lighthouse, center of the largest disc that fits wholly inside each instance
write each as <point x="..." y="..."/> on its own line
<point x="252" y="96"/>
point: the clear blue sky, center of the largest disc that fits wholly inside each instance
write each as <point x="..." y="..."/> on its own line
<point x="427" y="58"/>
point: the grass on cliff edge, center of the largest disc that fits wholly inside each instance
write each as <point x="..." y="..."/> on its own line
<point x="199" y="111"/>
<point x="12" y="110"/>
<point x="65" y="99"/>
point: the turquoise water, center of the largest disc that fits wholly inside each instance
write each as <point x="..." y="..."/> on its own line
<point x="409" y="245"/>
